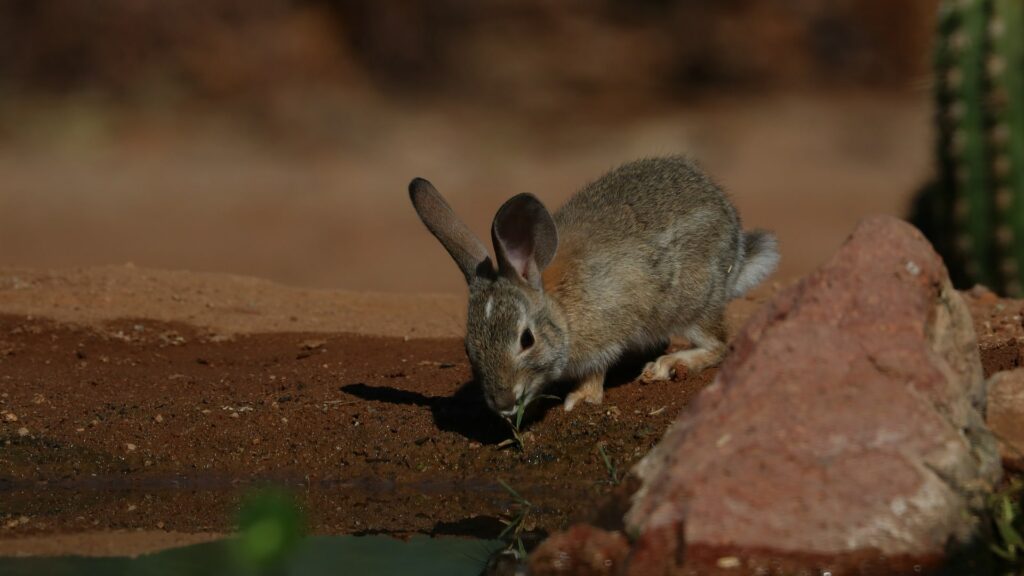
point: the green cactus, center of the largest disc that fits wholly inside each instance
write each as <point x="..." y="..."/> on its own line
<point x="974" y="209"/>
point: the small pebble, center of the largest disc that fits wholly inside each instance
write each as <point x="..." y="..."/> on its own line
<point x="312" y="344"/>
<point x="728" y="562"/>
<point x="158" y="418"/>
<point x="131" y="447"/>
<point x="11" y="417"/>
<point x="22" y="431"/>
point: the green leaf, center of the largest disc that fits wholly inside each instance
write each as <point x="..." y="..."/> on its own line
<point x="1006" y="514"/>
<point x="1004" y="554"/>
<point x="520" y="409"/>
<point x="270" y="527"/>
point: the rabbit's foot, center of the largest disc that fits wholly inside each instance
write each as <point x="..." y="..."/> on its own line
<point x="710" y="348"/>
<point x="591" y="390"/>
<point x="671" y="366"/>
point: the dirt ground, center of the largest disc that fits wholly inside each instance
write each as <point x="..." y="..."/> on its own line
<point x="121" y="433"/>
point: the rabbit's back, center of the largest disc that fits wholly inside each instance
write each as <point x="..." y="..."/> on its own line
<point x="648" y="247"/>
<point x="650" y="192"/>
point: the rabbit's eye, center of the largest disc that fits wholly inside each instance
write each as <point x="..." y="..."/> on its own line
<point x="526" y="339"/>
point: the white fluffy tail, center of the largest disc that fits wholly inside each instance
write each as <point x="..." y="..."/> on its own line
<point x="760" y="258"/>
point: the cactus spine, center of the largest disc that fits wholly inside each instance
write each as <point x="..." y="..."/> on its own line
<point x="974" y="211"/>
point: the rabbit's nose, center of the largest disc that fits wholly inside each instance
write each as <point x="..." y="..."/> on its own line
<point x="504" y="403"/>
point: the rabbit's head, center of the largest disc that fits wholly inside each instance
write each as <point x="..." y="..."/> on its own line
<point x="516" y="337"/>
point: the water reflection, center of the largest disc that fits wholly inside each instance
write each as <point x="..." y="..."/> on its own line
<point x="317" y="555"/>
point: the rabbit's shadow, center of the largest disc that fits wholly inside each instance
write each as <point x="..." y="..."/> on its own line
<point x="466" y="413"/>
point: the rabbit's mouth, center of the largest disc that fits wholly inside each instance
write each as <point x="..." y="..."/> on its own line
<point x="523" y="399"/>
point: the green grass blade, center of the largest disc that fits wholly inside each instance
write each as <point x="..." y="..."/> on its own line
<point x="518" y="497"/>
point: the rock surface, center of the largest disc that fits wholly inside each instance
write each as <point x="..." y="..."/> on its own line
<point x="581" y="551"/>
<point x="843" y="433"/>
<point x="1005" y="416"/>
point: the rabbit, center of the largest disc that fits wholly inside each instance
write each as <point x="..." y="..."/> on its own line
<point x="652" y="249"/>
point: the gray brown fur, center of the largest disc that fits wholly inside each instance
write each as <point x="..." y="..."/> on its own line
<point x="651" y="250"/>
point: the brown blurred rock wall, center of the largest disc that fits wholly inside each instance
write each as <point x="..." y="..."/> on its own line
<point x="533" y="53"/>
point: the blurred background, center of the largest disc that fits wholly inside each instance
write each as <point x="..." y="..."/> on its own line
<point x="276" y="138"/>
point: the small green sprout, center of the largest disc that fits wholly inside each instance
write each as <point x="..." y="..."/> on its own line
<point x="518" y="439"/>
<point x="613" y="474"/>
<point x="513" y="528"/>
<point x="516" y="424"/>
<point x="1006" y="515"/>
<point x="515" y="495"/>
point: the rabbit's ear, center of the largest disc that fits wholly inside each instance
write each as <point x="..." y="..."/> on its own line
<point x="525" y="238"/>
<point x="465" y="248"/>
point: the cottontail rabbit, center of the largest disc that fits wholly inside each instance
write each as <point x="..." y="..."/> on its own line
<point x="653" y="249"/>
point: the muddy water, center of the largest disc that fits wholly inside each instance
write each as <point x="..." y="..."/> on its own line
<point x="316" y="556"/>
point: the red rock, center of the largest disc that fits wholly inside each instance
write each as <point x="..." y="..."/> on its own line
<point x="580" y="551"/>
<point x="1005" y="415"/>
<point x="845" y="425"/>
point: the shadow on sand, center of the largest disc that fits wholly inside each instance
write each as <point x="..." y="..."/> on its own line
<point x="466" y="413"/>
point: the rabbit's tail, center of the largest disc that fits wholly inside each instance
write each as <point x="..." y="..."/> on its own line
<point x="760" y="257"/>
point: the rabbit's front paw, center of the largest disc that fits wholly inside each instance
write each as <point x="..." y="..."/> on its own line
<point x="590" y="390"/>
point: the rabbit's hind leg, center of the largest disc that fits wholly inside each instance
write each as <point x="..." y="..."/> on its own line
<point x="709" y="348"/>
<point x="590" y="390"/>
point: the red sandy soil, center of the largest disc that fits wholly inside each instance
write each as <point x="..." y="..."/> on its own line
<point x="138" y="400"/>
